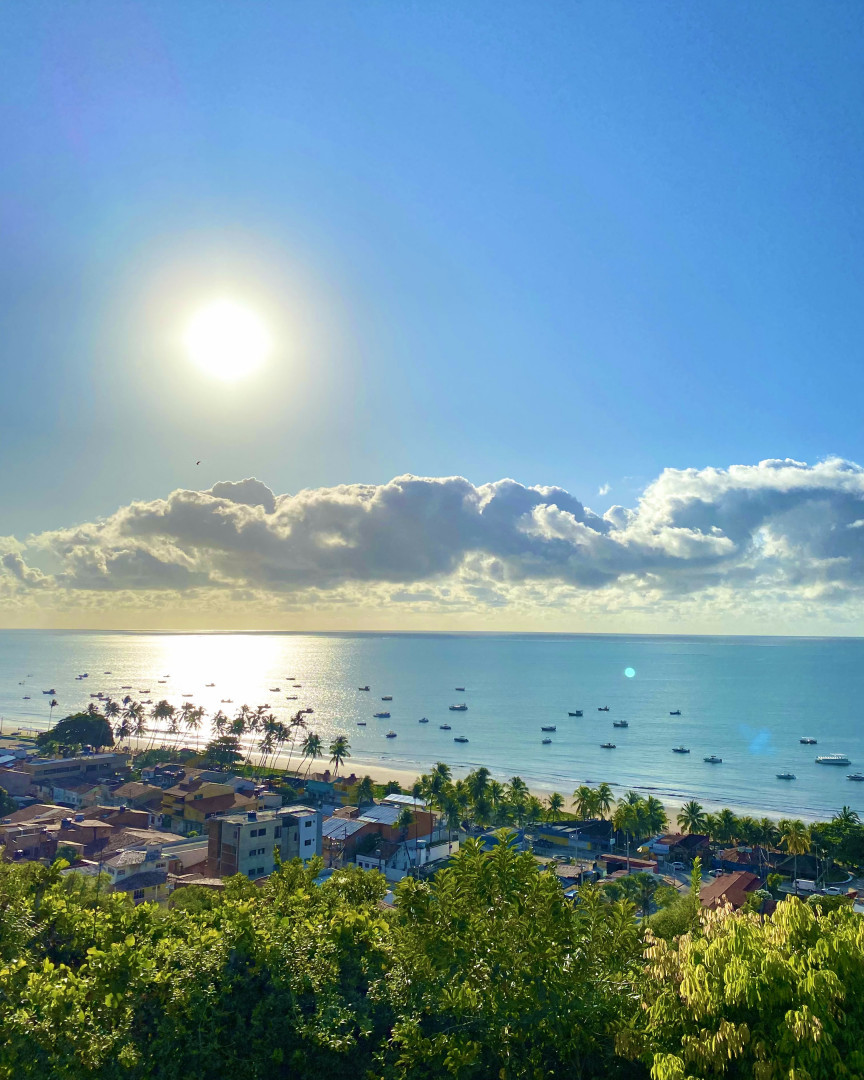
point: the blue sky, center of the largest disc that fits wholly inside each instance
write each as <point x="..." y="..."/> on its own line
<point x="573" y="243"/>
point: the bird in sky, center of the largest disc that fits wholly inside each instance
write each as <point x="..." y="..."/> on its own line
<point x="197" y="462"/>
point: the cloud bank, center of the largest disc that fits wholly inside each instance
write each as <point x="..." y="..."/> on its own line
<point x="777" y="533"/>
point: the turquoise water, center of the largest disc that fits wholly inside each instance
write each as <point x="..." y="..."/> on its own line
<point x="747" y="700"/>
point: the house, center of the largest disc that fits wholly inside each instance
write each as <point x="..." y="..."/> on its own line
<point x="340" y="837"/>
<point x="757" y="860"/>
<point x="140" y="796"/>
<point x="397" y="860"/>
<point x="613" y="863"/>
<point x="728" y="888"/>
<point x="143" y="872"/>
<point x="244" y="843"/>
<point x="15" y="781"/>
<point x="583" y="837"/>
<point x="188" y="805"/>
<point x="76" y="796"/>
<point x="572" y="875"/>
<point x="690" y="847"/>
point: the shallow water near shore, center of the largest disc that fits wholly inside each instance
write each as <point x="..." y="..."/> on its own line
<point x="747" y="700"/>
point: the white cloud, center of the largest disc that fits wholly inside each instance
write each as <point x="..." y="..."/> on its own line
<point x="775" y="533"/>
<point x="604" y="489"/>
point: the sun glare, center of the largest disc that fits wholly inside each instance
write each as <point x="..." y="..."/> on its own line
<point x="227" y="340"/>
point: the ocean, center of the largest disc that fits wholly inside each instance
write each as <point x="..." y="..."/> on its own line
<point x="747" y="700"/>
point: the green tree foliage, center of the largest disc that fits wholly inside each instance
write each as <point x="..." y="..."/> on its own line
<point x="747" y="997"/>
<point x="7" y="803"/>
<point x="223" y="752"/>
<point x="81" y="729"/>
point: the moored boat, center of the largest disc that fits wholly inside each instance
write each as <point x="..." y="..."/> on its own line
<point x="381" y="715"/>
<point x="855" y="776"/>
<point x="786" y="776"/>
<point x="578" y="712"/>
<point x="458" y="708"/>
<point x="712" y="759"/>
<point x="675" y="712"/>
<point x="545" y="741"/>
<point x="444" y="727"/>
<point x="362" y="687"/>
<point x="620" y="723"/>
<point x="607" y="746"/>
<point x="460" y="738"/>
<point x="459" y="689"/>
<point x="423" y="720"/>
<point x="832" y="759"/>
<point x="807" y="741"/>
<point x="390" y="735"/>
<point x="680" y="749"/>
<point x="549" y="727"/>
<point x="602" y="708"/>
<point x="389" y="697"/>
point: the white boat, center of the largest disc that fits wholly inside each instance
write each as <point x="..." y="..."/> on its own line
<point x="855" y="776"/>
<point x="712" y="759"/>
<point x="833" y="759"/>
<point x="460" y="738"/>
<point x="545" y="741"/>
<point x="458" y="708"/>
<point x="607" y="746"/>
<point x="444" y="727"/>
<point x="786" y="776"/>
<point x="807" y="741"/>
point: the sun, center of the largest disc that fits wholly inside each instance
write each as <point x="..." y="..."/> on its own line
<point x="227" y="340"/>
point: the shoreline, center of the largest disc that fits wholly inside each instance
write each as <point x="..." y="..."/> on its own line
<point x="406" y="775"/>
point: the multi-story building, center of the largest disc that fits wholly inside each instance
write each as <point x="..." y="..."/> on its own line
<point x="188" y="806"/>
<point x="86" y="768"/>
<point x="244" y="843"/>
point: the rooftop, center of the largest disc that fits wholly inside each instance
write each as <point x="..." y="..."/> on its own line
<point x="335" y="828"/>
<point x="733" y="888"/>
<point x="145" y="880"/>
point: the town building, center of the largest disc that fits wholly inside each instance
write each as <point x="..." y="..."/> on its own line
<point x="189" y="805"/>
<point x="729" y="889"/>
<point x="244" y="843"/>
<point x="50" y="772"/>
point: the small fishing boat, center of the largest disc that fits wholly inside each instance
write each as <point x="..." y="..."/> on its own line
<point x="423" y="720"/>
<point x="675" y="712"/>
<point x="126" y="687"/>
<point x="106" y="672"/>
<point x="182" y="695"/>
<point x="459" y="689"/>
<point x="147" y="691"/>
<point x="602" y="708"/>
<point x="390" y="735"/>
<point x="545" y="741"/>
<point x="161" y="682"/>
<point x="620" y="723"/>
<point x="807" y="741"/>
<point x="227" y="701"/>
<point x="49" y="691"/>
<point x="361" y="723"/>
<point x="297" y="686"/>
<point x="272" y="689"/>
<point x="578" y="712"/>
<point x="550" y="727"/>
<point x="307" y="710"/>
<point x="290" y="697"/>
<point x="607" y="745"/>
<point x="458" y="708"/>
<point x="362" y="687"/>
<point x="389" y="697"/>
<point x="855" y="776"/>
<point x="444" y="727"/>
<point x="209" y="683"/>
<point x="460" y="738"/>
<point x="680" y="750"/>
<point x="381" y="715"/>
<point x="833" y="759"/>
<point x="712" y="759"/>
<point x="786" y="776"/>
<point x="26" y="697"/>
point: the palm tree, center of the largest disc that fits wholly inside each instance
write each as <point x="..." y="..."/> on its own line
<point x="553" y="806"/>
<point x="654" y="813"/>
<point x="110" y="710"/>
<point x="495" y="792"/>
<point x="313" y="748"/>
<point x="52" y="705"/>
<point x="162" y="710"/>
<point x="584" y="802"/>
<point x="605" y="798"/>
<point x="726" y="826"/>
<point x="691" y="817"/>
<point x="627" y="819"/>
<point x="795" y="837"/>
<point x="193" y="719"/>
<point x="846" y="816"/>
<point x="365" y="791"/>
<point x="270" y="729"/>
<point x="218" y="723"/>
<point x="477" y="782"/>
<point x="92" y="709"/>
<point x="403" y="823"/>
<point x="339" y="751"/>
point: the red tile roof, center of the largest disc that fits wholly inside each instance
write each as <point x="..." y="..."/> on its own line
<point x="731" y="888"/>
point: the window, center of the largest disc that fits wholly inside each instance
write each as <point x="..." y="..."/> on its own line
<point x="138" y="894"/>
<point x="277" y="832"/>
<point x="260" y="870"/>
<point x="307" y="823"/>
<point x="306" y="843"/>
